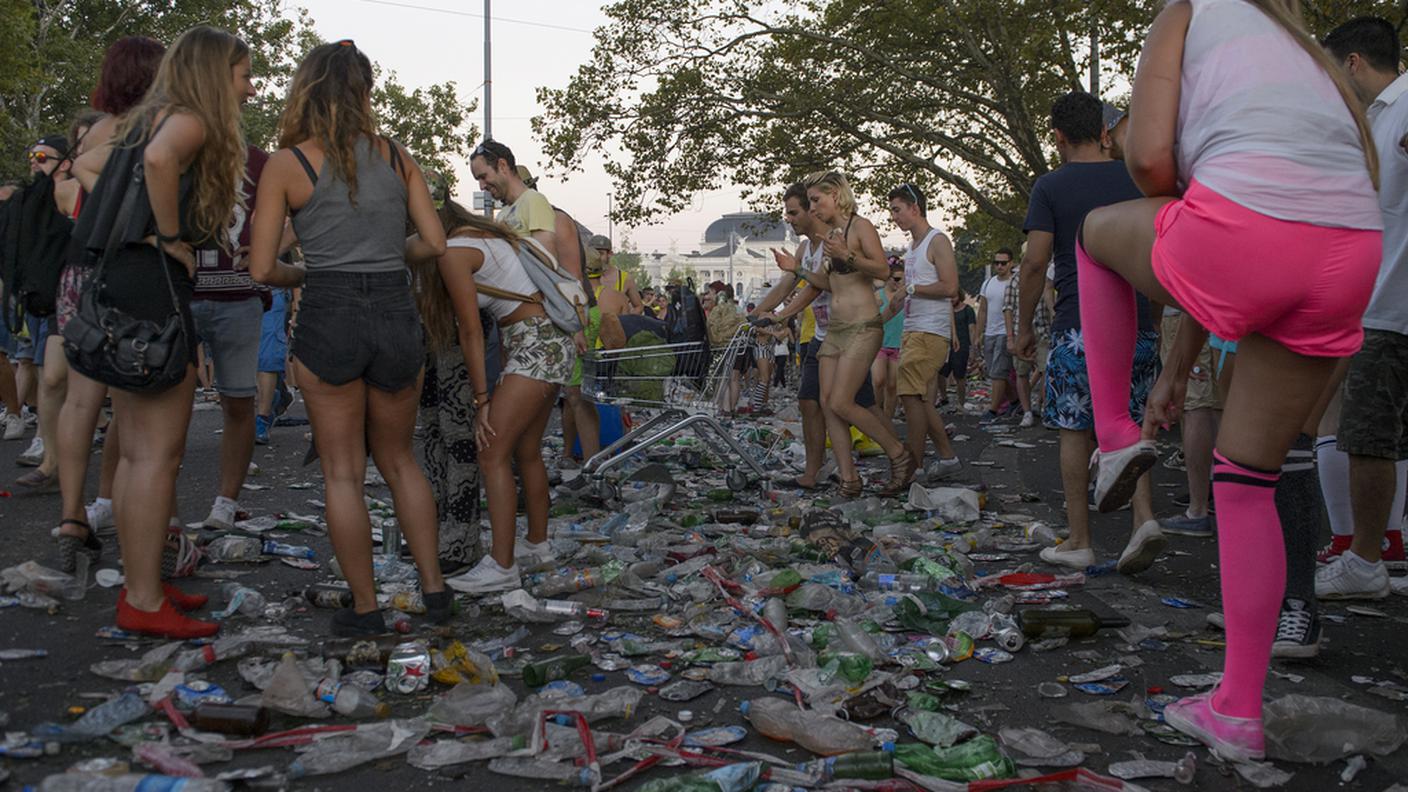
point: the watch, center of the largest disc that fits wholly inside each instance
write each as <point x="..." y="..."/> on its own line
<point x="909" y="289"/>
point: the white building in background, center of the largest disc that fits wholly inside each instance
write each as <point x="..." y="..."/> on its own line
<point x="739" y="243"/>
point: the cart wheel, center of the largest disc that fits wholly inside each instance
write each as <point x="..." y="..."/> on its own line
<point x="736" y="479"/>
<point x="607" y="492"/>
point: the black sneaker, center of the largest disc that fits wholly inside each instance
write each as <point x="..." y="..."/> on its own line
<point x="348" y="623"/>
<point x="1297" y="631"/>
<point x="439" y="607"/>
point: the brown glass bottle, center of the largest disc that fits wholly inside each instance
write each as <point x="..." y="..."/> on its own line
<point x="242" y="719"/>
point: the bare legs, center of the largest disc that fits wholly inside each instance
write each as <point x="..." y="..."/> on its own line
<point x="519" y="415"/>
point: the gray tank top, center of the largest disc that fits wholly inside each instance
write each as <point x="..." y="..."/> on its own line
<point x="370" y="236"/>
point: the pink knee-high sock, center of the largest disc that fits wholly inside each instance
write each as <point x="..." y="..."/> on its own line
<point x="1109" y="325"/>
<point x="1252" y="557"/>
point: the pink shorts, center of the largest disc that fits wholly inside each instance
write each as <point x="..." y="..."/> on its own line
<point x="1239" y="272"/>
<point x="888" y="353"/>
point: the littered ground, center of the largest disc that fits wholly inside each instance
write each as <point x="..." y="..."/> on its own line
<point x="1019" y="480"/>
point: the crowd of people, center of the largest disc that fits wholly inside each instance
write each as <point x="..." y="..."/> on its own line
<point x="336" y="265"/>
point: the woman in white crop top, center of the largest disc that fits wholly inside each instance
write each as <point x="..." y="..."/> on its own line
<point x="1262" y="224"/>
<point x="481" y="269"/>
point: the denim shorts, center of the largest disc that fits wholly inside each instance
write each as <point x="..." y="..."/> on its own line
<point x="31" y="345"/>
<point x="230" y="330"/>
<point x="273" y="334"/>
<point x="360" y="326"/>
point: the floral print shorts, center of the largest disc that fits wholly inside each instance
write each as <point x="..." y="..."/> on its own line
<point x="536" y="349"/>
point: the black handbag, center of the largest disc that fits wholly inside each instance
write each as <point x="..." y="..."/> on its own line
<point x="109" y="345"/>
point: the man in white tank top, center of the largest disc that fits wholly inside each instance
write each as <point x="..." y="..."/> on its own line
<point x="931" y="278"/>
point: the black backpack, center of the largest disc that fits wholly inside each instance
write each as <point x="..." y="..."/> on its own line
<point x="34" y="243"/>
<point x="684" y="320"/>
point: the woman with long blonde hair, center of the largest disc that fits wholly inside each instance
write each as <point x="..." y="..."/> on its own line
<point x="1262" y="224"/>
<point x="192" y="157"/>
<point x="357" y="349"/>
<point x="855" y="259"/>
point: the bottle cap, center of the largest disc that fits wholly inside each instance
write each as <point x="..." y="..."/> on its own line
<point x="888" y="746"/>
<point x="598" y="677"/>
<point x="744" y="706"/>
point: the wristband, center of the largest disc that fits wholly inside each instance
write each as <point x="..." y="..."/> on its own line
<point x="162" y="239"/>
<point x="804" y="275"/>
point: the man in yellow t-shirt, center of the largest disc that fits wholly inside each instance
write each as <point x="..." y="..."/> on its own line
<point x="526" y="210"/>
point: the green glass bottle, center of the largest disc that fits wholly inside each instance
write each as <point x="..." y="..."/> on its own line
<point x="1039" y="623"/>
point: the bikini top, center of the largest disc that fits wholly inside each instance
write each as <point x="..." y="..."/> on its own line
<point x="839" y="265"/>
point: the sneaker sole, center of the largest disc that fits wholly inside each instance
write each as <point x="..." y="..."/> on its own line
<point x="1122" y="489"/>
<point x="1143" y="557"/>
<point x="1380" y="594"/>
<point x="1295" y="651"/>
<point x="1191" y="729"/>
<point x="476" y="590"/>
<point x="1184" y="532"/>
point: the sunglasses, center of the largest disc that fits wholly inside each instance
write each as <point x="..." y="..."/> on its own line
<point x="40" y="157"/>
<point x="897" y="278"/>
<point x="1000" y="262"/>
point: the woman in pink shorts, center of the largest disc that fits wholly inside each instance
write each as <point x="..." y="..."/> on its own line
<point x="1262" y="224"/>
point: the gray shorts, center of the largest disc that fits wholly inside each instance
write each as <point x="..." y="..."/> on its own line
<point x="1374" y="418"/>
<point x="231" y="329"/>
<point x="996" y="357"/>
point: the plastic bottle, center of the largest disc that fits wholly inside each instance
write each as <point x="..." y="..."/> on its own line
<point x="1039" y="623"/>
<point x="568" y="580"/>
<point x="240" y="599"/>
<point x="751" y="672"/>
<point x="328" y="598"/>
<point x="568" y="609"/>
<point x="910" y="582"/>
<point x="775" y="614"/>
<point x="856" y="639"/>
<point x="545" y="671"/>
<point x="160" y="758"/>
<point x="350" y="700"/>
<point x="221" y="649"/>
<point x="977" y="759"/>
<point x="242" y="719"/>
<point x="270" y="547"/>
<point x="89" y="782"/>
<point x="409" y="602"/>
<point x="825" y="735"/>
<point x="1181" y="771"/>
<point x="100" y="720"/>
<point x="368" y="743"/>
<point x="541" y="770"/>
<point x="234" y="548"/>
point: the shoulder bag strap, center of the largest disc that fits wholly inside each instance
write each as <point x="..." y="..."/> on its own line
<point x="505" y="294"/>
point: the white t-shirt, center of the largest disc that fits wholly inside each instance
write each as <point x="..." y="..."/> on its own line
<point x="924" y="314"/>
<point x="501" y="269"/>
<point x="1388" y="308"/>
<point x="995" y="292"/>
<point x="811" y="260"/>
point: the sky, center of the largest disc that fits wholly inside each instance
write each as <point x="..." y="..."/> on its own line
<point x="534" y="44"/>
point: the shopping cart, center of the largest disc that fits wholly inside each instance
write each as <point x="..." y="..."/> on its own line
<point x="680" y="382"/>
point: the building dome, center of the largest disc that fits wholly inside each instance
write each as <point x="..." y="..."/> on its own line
<point x="753" y="226"/>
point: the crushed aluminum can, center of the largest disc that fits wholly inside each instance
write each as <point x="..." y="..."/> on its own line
<point x="1010" y="639"/>
<point x="992" y="656"/>
<point x="1109" y="687"/>
<point x="408" y="668"/>
<point x="648" y="674"/>
<point x="197" y="692"/>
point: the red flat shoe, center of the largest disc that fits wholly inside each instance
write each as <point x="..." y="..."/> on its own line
<point x="165" y="622"/>
<point x="182" y="600"/>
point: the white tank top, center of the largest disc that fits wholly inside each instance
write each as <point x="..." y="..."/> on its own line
<point x="1260" y="123"/>
<point x="501" y="269"/>
<point x="921" y="314"/>
<point x="812" y="260"/>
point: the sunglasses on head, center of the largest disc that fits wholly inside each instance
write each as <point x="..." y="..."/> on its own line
<point x="909" y="188"/>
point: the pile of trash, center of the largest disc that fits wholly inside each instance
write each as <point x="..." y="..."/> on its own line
<point x="680" y="620"/>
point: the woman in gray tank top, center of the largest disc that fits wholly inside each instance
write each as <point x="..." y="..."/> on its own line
<point x="357" y="347"/>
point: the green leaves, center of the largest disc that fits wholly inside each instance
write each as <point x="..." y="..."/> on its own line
<point x="50" y="54"/>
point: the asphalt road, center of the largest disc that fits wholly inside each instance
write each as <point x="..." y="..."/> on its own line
<point x="1004" y="695"/>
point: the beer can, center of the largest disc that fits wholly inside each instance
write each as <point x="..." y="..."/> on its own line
<point x="1010" y="639"/>
<point x="408" y="668"/>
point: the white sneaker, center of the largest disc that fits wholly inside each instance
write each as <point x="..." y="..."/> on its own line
<point x="14" y="427"/>
<point x="486" y="577"/>
<point x="1144" y="546"/>
<point x="1351" y="577"/>
<point x="943" y="469"/>
<point x="31" y="418"/>
<point x="1119" y="473"/>
<point x="529" y="554"/>
<point x="1028" y="421"/>
<point x="100" y="516"/>
<point x="222" y="515"/>
<point x="1075" y="559"/>
<point x="34" y="455"/>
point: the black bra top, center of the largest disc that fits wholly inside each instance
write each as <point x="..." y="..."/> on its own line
<point x="839" y="265"/>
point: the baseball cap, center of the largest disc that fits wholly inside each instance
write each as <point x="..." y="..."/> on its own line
<point x="58" y="143"/>
<point x="599" y="242"/>
<point x="1111" y="115"/>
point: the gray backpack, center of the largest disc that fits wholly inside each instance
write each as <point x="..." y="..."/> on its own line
<point x="559" y="292"/>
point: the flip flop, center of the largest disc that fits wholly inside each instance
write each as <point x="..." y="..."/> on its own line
<point x="34" y="481"/>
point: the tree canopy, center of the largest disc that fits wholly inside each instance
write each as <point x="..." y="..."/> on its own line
<point x="682" y="96"/>
<point x="51" y="51"/>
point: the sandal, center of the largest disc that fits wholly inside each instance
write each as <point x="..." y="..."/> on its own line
<point x="70" y="546"/>
<point x="850" y="488"/>
<point x="902" y="470"/>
